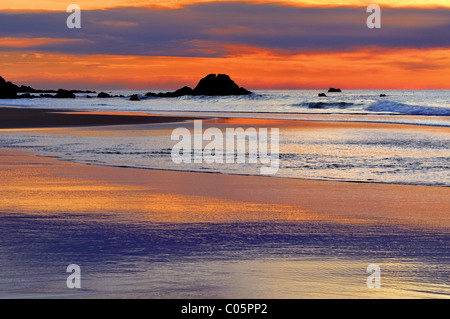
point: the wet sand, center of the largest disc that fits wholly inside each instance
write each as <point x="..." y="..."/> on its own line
<point x="39" y="185"/>
<point x="162" y="234"/>
<point x="41" y="118"/>
<point x="167" y="234"/>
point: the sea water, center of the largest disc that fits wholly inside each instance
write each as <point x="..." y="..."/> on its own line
<point x="384" y="155"/>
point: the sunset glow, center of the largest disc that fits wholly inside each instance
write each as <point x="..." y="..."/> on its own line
<point x="369" y="68"/>
<point x="262" y="45"/>
<point x="102" y="4"/>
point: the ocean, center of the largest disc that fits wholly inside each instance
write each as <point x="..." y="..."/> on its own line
<point x="276" y="103"/>
<point x="385" y="155"/>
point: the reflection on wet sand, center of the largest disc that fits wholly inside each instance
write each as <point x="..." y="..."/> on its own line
<point x="159" y="234"/>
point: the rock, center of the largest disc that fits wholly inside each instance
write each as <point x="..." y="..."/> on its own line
<point x="64" y="94"/>
<point x="334" y="90"/>
<point x="26" y="96"/>
<point x="103" y="95"/>
<point x="211" y="85"/>
<point x="218" y="85"/>
<point x="180" y="92"/>
<point x="82" y="91"/>
<point x="322" y="94"/>
<point x="7" y="89"/>
<point x="382" y="95"/>
<point x="183" y="91"/>
<point x="26" y="89"/>
<point x="134" y="97"/>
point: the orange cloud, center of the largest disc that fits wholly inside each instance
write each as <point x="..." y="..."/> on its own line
<point x="32" y="42"/>
<point x="252" y="68"/>
<point x="102" y="4"/>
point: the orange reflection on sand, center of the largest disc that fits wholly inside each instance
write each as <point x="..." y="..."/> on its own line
<point x="45" y="186"/>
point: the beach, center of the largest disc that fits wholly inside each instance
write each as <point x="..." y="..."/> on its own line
<point x="216" y="156"/>
<point x="152" y="233"/>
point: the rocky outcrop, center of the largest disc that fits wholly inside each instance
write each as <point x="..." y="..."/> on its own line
<point x="211" y="85"/>
<point x="64" y="94"/>
<point x="180" y="92"/>
<point x="322" y="95"/>
<point x="218" y="85"/>
<point x="134" y="97"/>
<point x="103" y="95"/>
<point x="334" y="90"/>
<point x="7" y="89"/>
<point x="27" y="96"/>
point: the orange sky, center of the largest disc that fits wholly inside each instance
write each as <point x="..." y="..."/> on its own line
<point x="364" y="68"/>
<point x="38" y="59"/>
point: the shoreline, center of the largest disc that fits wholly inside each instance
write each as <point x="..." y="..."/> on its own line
<point x="15" y="117"/>
<point x="234" y="174"/>
<point x="406" y="202"/>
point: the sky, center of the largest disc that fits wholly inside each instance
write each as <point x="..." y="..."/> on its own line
<point x="164" y="45"/>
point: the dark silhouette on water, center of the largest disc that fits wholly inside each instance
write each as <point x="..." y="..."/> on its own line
<point x="211" y="85"/>
<point x="103" y="95"/>
<point x="9" y="90"/>
<point x="334" y="90"/>
<point x="64" y="94"/>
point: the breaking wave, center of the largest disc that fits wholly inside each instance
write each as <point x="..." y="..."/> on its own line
<point x="407" y="109"/>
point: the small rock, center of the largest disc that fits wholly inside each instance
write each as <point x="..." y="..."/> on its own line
<point x="64" y="94"/>
<point x="103" y="95"/>
<point x="334" y="90"/>
<point x="134" y="97"/>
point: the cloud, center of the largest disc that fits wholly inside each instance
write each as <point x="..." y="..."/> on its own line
<point x="117" y="23"/>
<point x="215" y="29"/>
<point x="8" y="42"/>
<point x="103" y="4"/>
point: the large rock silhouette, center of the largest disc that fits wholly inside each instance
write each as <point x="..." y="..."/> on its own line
<point x="7" y="89"/>
<point x="218" y="85"/>
<point x="210" y="85"/>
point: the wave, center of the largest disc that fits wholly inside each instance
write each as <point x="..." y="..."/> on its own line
<point x="325" y="105"/>
<point x="252" y="96"/>
<point x="407" y="109"/>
